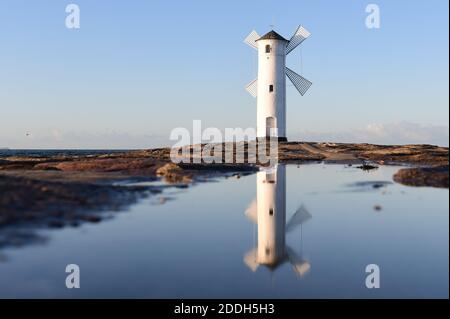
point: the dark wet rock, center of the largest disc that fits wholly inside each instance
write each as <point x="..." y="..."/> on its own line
<point x="44" y="202"/>
<point x="91" y="218"/>
<point x="56" y="224"/>
<point x="367" y="167"/>
<point x="436" y="176"/>
<point x="20" y="237"/>
<point x="29" y="205"/>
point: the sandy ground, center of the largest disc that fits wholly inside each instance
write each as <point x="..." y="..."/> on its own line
<point x="330" y="155"/>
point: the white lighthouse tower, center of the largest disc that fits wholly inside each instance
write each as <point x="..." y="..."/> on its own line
<point x="270" y="86"/>
<point x="268" y="211"/>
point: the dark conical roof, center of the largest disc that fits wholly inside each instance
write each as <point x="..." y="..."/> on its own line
<point x="272" y="35"/>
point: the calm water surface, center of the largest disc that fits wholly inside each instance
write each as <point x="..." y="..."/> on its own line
<point x="292" y="232"/>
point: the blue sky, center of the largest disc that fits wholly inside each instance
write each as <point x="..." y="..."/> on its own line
<point x="137" y="69"/>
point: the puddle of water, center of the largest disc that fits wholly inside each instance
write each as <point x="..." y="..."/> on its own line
<point x="292" y="232"/>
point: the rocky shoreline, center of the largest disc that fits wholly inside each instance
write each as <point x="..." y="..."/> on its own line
<point x="61" y="190"/>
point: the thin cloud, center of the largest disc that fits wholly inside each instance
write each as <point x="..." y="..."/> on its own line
<point x="57" y="139"/>
<point x="392" y="133"/>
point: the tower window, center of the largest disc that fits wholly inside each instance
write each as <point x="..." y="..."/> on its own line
<point x="271" y="212"/>
<point x="271" y="88"/>
<point x="268" y="48"/>
<point x="270" y="178"/>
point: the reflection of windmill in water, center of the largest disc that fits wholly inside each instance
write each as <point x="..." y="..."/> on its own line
<point x="268" y="211"/>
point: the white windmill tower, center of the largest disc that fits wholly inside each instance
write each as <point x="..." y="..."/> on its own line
<point x="270" y="86"/>
<point x="268" y="211"/>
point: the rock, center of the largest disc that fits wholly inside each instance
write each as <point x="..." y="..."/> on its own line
<point x="436" y="176"/>
<point x="92" y="218"/>
<point x="100" y="165"/>
<point x="173" y="173"/>
<point x="47" y="203"/>
<point x="55" y="224"/>
<point x="367" y="167"/>
<point x="169" y="168"/>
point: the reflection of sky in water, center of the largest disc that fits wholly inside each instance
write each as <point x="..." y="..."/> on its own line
<point x="198" y="244"/>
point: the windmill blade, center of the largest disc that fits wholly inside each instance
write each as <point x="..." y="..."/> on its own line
<point x="251" y="39"/>
<point x="251" y="212"/>
<point x="301" y="84"/>
<point x="251" y="261"/>
<point x="300" y="216"/>
<point x="252" y="87"/>
<point x="300" y="35"/>
<point x="300" y="265"/>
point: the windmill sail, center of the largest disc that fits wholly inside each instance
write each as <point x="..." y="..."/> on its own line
<point x="301" y="84"/>
<point x="252" y="211"/>
<point x="300" y="35"/>
<point x="251" y="39"/>
<point x="300" y="265"/>
<point x="252" y="87"/>
<point x="250" y="259"/>
<point x="299" y="217"/>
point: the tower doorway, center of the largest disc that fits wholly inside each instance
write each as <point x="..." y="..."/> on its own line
<point x="271" y="126"/>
